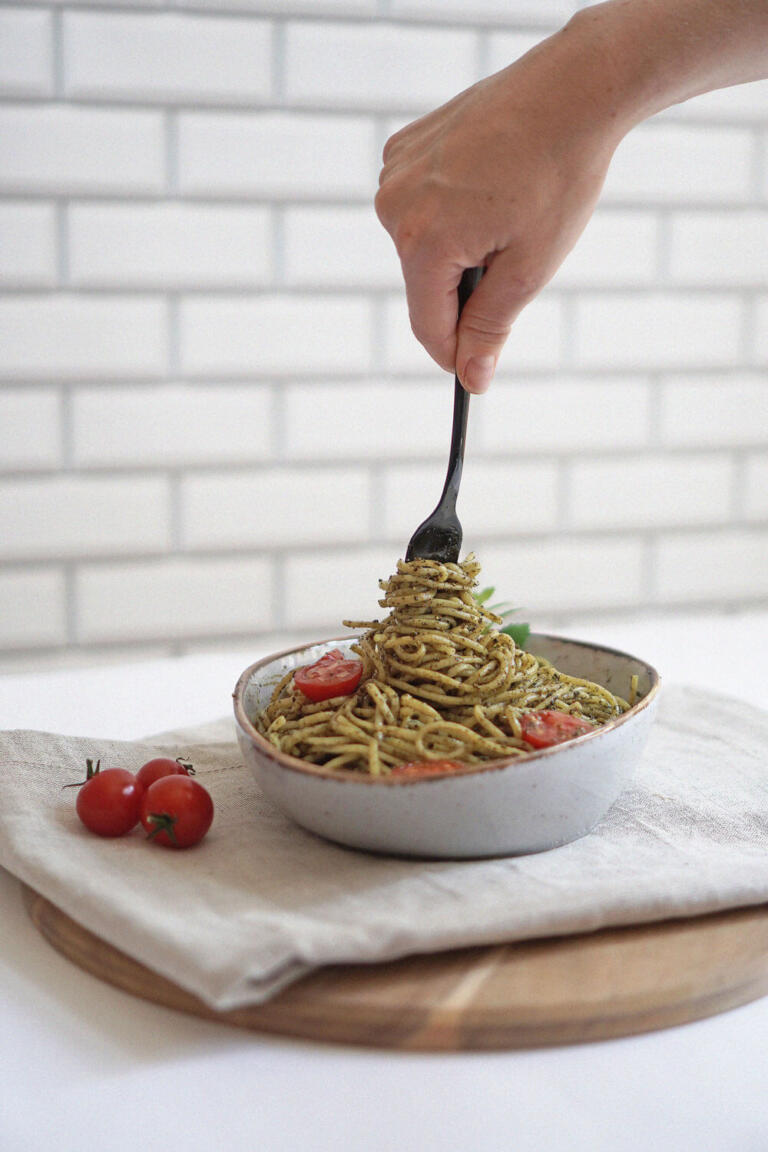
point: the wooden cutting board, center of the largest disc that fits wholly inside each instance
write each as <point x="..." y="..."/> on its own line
<point x="557" y="991"/>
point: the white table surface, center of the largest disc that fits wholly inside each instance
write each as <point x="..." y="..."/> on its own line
<point x="85" y="1067"/>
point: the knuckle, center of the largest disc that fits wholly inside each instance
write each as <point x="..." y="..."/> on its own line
<point x="419" y="233"/>
<point x="390" y="147"/>
<point x="524" y="285"/>
<point x="488" y="329"/>
<point x="428" y="332"/>
<point x="382" y="204"/>
<point x="411" y="214"/>
<point x="421" y="330"/>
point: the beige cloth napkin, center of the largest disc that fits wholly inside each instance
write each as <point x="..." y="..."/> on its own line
<point x="260" y="901"/>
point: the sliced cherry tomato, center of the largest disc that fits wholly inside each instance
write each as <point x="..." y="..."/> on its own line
<point x="176" y="811"/>
<point x="109" y="802"/>
<point x="329" y="657"/>
<point x="162" y="766"/>
<point x="331" y="675"/>
<point x="543" y="729"/>
<point x="425" y="768"/>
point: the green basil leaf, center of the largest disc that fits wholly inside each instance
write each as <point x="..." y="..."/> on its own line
<point x="518" y="632"/>
<point x="484" y="595"/>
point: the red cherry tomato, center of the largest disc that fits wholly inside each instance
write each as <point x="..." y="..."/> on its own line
<point x="331" y="675"/>
<point x="176" y="811"/>
<point x="162" y="766"/>
<point x="109" y="802"/>
<point x="543" y="729"/>
<point x="425" y="768"/>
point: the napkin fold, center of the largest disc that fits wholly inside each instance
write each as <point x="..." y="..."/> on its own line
<point x="261" y="902"/>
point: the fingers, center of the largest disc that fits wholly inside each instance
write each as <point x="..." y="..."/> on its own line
<point x="433" y="254"/>
<point x="487" y="319"/>
<point x="431" y="293"/>
<point x="431" y="272"/>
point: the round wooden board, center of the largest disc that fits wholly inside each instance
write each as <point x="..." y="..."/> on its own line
<point x="557" y="991"/>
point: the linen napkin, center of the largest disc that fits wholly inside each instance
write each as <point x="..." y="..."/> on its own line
<point x="261" y="902"/>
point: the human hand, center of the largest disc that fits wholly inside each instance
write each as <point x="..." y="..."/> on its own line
<point x="505" y="175"/>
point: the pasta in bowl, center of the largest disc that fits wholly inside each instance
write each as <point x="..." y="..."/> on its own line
<point x="434" y="734"/>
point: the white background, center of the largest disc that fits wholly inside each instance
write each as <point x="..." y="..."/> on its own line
<point x="215" y="425"/>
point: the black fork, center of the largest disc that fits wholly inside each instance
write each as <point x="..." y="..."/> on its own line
<point x="439" y="537"/>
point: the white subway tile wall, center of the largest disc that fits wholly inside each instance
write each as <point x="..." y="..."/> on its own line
<point x="26" y="51"/>
<point x="756" y="491"/>
<point x="27" y="244"/>
<point x="163" y="56"/>
<point x="63" y="147"/>
<point x="215" y="424"/>
<point x="169" y="245"/>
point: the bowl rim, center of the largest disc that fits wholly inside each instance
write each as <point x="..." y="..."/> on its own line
<point x="306" y="768"/>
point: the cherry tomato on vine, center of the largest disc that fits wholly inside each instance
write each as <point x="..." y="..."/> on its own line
<point x="426" y="768"/>
<point x="109" y="802"/>
<point x="331" y="675"/>
<point x="162" y="766"/>
<point x="176" y="811"/>
<point x="543" y="729"/>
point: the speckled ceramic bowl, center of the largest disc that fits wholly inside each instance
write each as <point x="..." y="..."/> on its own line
<point x="500" y="808"/>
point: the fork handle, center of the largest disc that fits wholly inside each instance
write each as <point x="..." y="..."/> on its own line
<point x="470" y="278"/>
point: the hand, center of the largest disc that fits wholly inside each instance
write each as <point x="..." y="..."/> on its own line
<point x="506" y="175"/>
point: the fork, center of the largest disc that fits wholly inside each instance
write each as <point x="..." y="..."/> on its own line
<point x="439" y="536"/>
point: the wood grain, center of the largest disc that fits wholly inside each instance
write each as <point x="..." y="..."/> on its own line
<point x="563" y="990"/>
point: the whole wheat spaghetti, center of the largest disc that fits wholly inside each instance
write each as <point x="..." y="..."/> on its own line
<point x="439" y="681"/>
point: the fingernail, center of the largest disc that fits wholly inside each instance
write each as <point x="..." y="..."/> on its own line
<point x="479" y="373"/>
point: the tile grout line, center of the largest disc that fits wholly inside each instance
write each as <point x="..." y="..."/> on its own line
<point x="483" y="52"/>
<point x="350" y="197"/>
<point x="263" y="467"/>
<point x="57" y="52"/>
<point x="231" y="9"/>
<point x="278" y="248"/>
<point x="351" y="107"/>
<point x="66" y="417"/>
<point x="62" y="219"/>
<point x="173" y="335"/>
<point x="351" y="291"/>
<point x="277" y="61"/>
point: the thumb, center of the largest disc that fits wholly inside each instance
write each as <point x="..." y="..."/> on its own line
<point x="487" y="318"/>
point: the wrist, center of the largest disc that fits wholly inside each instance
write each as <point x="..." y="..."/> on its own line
<point x="602" y="88"/>
<point x="650" y="54"/>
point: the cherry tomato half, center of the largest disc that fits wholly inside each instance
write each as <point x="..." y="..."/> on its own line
<point x="425" y="768"/>
<point x="109" y="802"/>
<point x="331" y="675"/>
<point x="162" y="766"/>
<point x="176" y="811"/>
<point x="543" y="729"/>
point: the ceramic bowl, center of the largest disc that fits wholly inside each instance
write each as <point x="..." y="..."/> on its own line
<point x="499" y="808"/>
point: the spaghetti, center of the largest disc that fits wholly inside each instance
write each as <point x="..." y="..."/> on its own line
<point x="439" y="680"/>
